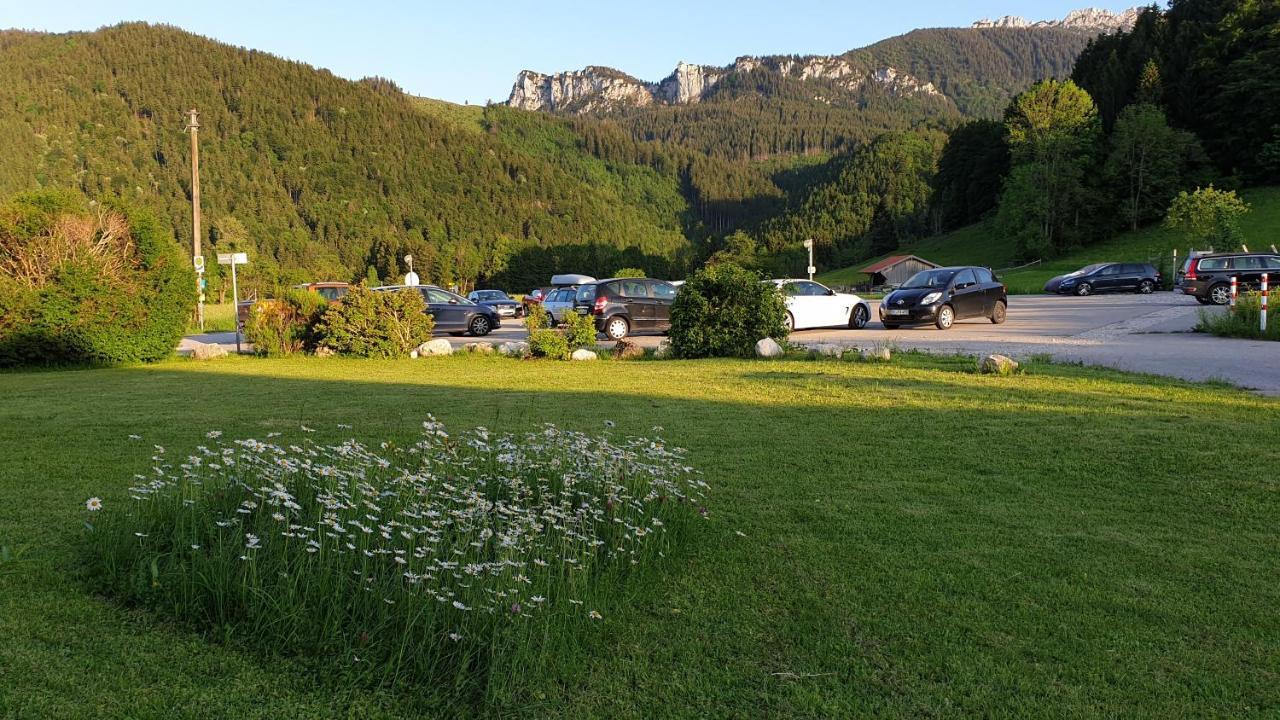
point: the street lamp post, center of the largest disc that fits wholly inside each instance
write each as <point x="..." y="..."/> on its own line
<point x="411" y="277"/>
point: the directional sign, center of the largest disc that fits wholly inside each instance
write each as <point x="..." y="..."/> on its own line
<point x="233" y="258"/>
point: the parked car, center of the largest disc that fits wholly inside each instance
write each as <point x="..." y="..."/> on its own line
<point x="498" y="300"/>
<point x="331" y="291"/>
<point x="539" y="295"/>
<point x="452" y="313"/>
<point x="559" y="303"/>
<point x="1207" y="278"/>
<point x="623" y="306"/>
<point x="1107" y="277"/>
<point x="944" y="295"/>
<point x="814" y="305"/>
<point x="535" y="297"/>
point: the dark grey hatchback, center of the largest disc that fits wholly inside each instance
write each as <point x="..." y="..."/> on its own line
<point x="944" y="295"/>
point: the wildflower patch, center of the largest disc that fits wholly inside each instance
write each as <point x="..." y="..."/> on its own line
<point x="453" y="559"/>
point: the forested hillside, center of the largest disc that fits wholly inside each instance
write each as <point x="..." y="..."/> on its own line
<point x="317" y="176"/>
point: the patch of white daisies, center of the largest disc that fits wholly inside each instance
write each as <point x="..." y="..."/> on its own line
<point x="419" y="561"/>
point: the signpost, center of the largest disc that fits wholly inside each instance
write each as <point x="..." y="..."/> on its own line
<point x="808" y="245"/>
<point x="234" y="259"/>
<point x="411" y="277"/>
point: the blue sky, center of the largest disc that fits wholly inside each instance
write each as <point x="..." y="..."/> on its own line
<point x="471" y="51"/>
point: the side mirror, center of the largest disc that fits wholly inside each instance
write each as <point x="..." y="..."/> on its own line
<point x="831" y="292"/>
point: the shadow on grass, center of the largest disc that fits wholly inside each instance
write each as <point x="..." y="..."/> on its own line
<point x="875" y="502"/>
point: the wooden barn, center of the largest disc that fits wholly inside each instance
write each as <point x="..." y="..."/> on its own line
<point x="896" y="269"/>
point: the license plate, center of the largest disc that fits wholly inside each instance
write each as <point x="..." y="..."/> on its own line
<point x="895" y="311"/>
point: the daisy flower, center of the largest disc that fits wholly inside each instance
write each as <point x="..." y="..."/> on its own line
<point x="93" y="504"/>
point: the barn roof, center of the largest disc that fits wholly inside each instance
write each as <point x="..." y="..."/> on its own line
<point x="892" y="260"/>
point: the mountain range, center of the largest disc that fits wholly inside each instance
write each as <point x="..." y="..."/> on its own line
<point x="922" y="65"/>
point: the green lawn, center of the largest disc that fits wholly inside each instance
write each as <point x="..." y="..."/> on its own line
<point x="218" y="317"/>
<point x="980" y="245"/>
<point x="900" y="540"/>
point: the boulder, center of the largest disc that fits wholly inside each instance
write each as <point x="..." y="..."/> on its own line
<point x="433" y="348"/>
<point x="207" y="351"/>
<point x="482" y="348"/>
<point x="514" y="349"/>
<point x="627" y="351"/>
<point x="998" y="365"/>
<point x="583" y="354"/>
<point x="663" y="350"/>
<point x="768" y="348"/>
<point x="826" y="350"/>
<point x="324" y="351"/>
<point x="877" y="353"/>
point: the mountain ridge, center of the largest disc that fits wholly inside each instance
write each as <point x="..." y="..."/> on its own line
<point x="599" y="89"/>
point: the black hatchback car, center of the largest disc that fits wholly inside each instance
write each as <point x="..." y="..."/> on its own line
<point x="452" y="313"/>
<point x="623" y="306"/>
<point x="944" y="295"/>
<point x="1207" y="278"/>
<point x="498" y="300"/>
<point x="1107" y="277"/>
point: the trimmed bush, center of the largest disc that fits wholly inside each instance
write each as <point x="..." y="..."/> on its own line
<point x="580" y="331"/>
<point x="375" y="324"/>
<point x="723" y="311"/>
<point x="286" y="324"/>
<point x="547" y="343"/>
<point x="537" y="318"/>
<point x="81" y="283"/>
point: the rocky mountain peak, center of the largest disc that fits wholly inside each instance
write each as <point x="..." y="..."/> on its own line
<point x="1093" y="19"/>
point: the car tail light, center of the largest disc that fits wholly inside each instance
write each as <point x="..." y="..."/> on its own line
<point x="598" y="308"/>
<point x="1191" y="270"/>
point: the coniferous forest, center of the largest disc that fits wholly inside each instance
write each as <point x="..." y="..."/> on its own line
<point x="320" y="177"/>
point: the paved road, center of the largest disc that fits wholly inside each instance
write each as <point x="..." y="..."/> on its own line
<point x="1150" y="333"/>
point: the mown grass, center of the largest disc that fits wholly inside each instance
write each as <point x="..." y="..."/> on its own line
<point x="980" y="244"/>
<point x="218" y="317"/>
<point x="897" y="539"/>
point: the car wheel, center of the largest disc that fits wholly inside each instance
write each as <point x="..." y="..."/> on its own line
<point x="1084" y="289"/>
<point x="789" y="322"/>
<point x="859" y="317"/>
<point x="617" y="328"/>
<point x="1146" y="287"/>
<point x="946" y="317"/>
<point x="1001" y="310"/>
<point x="1202" y="301"/>
<point x="480" y="326"/>
<point x="1220" y="294"/>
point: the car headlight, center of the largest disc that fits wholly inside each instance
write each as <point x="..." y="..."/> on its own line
<point x="931" y="298"/>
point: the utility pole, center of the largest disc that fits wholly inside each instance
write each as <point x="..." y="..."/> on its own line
<point x="197" y="259"/>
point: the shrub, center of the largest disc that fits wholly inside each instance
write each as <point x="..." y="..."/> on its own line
<point x="630" y="272"/>
<point x="445" y="562"/>
<point x="1244" y="322"/>
<point x="375" y="324"/>
<point x="548" y="343"/>
<point x="537" y="318"/>
<point x="723" y="311"/>
<point x="286" y="324"/>
<point x="100" y="284"/>
<point x="580" y="331"/>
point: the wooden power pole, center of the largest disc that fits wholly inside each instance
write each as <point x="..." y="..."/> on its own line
<point x="197" y="259"/>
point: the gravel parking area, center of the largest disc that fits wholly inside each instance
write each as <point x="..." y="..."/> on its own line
<point x="1139" y="333"/>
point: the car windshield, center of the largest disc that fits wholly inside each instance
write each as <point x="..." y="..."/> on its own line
<point x="1086" y="270"/>
<point x="490" y="295"/>
<point x="930" y="279"/>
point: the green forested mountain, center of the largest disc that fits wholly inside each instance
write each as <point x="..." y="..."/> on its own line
<point x="321" y="177"/>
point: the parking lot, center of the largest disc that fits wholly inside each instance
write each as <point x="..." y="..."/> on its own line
<point x="1141" y="333"/>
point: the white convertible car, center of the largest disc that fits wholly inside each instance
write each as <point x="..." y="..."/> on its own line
<point x="814" y="305"/>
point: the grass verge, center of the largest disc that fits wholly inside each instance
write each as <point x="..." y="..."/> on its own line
<point x="891" y="539"/>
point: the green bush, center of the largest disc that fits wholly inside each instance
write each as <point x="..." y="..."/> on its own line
<point x="81" y="283"/>
<point x="1244" y="322"/>
<point x="286" y="324"/>
<point x="550" y="344"/>
<point x="375" y="324"/>
<point x="631" y="272"/>
<point x="723" y="311"/>
<point x="537" y="318"/>
<point x="580" y="331"/>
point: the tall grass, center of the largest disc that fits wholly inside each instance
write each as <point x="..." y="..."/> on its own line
<point x="455" y="562"/>
<point x="1245" y="321"/>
